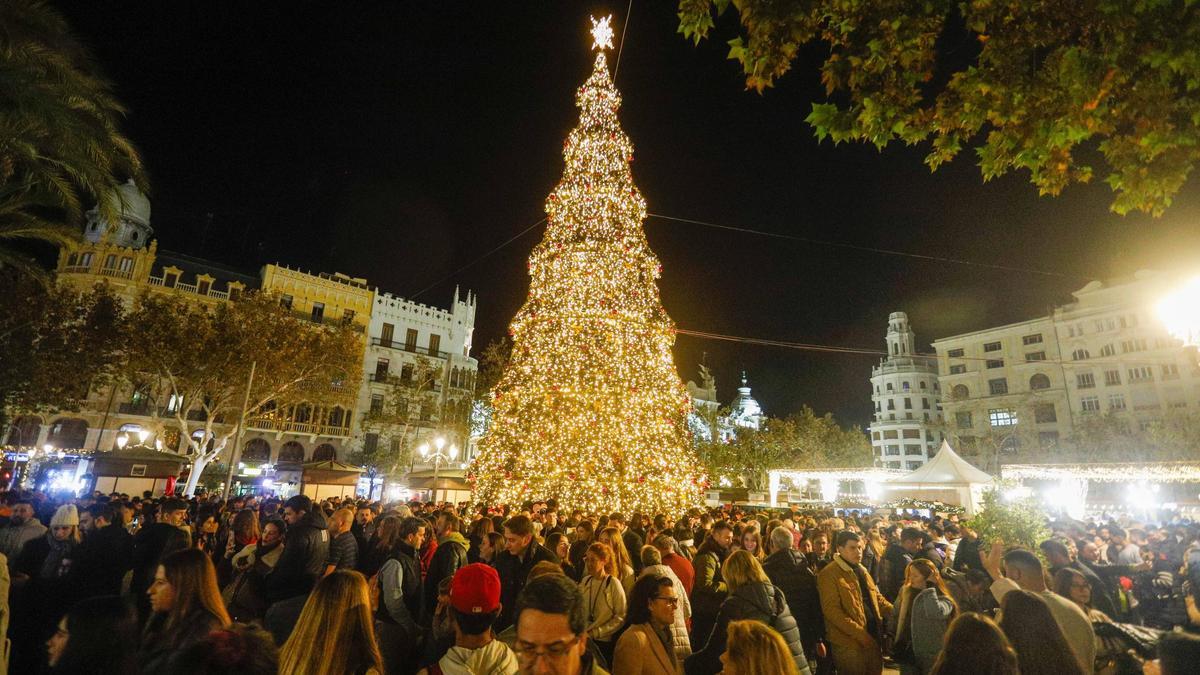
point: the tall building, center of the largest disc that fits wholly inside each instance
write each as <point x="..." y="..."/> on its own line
<point x="125" y="255"/>
<point x="905" y="431"/>
<point x="1029" y="385"/>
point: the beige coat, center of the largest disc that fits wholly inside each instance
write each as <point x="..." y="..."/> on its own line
<point x="842" y="604"/>
<point x="640" y="652"/>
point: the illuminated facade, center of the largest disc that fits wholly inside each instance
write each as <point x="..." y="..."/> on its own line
<point x="905" y="429"/>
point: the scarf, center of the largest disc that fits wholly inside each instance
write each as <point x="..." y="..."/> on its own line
<point x="58" y="561"/>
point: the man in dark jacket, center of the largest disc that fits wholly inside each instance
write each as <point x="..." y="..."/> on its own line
<point x="895" y="561"/>
<point x="305" y="551"/>
<point x="709" y="590"/>
<point x="789" y="570"/>
<point x="966" y="555"/>
<point x="105" y="555"/>
<point x="450" y="555"/>
<point x="756" y="601"/>
<point x="520" y="554"/>
<point x="400" y="599"/>
<point x="1059" y="557"/>
<point x="154" y="542"/>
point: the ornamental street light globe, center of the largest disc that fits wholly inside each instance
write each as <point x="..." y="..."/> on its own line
<point x="1180" y="314"/>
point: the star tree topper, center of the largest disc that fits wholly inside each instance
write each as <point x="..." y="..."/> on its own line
<point x="602" y="33"/>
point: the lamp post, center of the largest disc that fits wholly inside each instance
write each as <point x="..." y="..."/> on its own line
<point x="1180" y="314"/>
<point x="437" y="457"/>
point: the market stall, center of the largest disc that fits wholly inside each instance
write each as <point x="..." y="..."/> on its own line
<point x="947" y="478"/>
<point x="329" y="478"/>
<point x="137" y="469"/>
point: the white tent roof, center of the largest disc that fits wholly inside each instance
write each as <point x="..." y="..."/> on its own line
<point x="946" y="468"/>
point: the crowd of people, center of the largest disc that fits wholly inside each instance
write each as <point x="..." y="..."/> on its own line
<point x="250" y="585"/>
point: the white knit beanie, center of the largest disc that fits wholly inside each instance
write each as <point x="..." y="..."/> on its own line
<point x="65" y="516"/>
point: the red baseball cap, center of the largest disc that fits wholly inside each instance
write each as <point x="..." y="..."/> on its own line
<point x="475" y="589"/>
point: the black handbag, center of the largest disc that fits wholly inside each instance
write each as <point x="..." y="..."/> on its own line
<point x="1122" y="637"/>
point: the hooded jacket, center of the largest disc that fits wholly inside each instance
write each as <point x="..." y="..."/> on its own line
<point x="450" y="555"/>
<point x="758" y="601"/>
<point x="494" y="657"/>
<point x="305" y="550"/>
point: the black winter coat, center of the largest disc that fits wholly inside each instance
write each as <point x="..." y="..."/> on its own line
<point x="103" y="559"/>
<point x="151" y="544"/>
<point x="759" y="602"/>
<point x="513" y="572"/>
<point x="305" y="550"/>
<point x="891" y="571"/>
<point x="791" y="573"/>
<point x="451" y="554"/>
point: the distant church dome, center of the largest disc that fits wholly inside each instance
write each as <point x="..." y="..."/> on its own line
<point x="745" y="411"/>
<point x="133" y="228"/>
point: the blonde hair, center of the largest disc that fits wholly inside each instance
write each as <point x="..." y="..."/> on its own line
<point x="336" y="632"/>
<point x="742" y="568"/>
<point x="620" y="553"/>
<point x="753" y="647"/>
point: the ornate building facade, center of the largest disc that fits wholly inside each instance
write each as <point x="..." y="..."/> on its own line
<point x="905" y="430"/>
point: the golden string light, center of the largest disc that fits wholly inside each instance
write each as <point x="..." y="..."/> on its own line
<point x="1107" y="472"/>
<point x="590" y="409"/>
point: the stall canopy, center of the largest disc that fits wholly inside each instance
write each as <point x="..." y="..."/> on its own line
<point x="329" y="478"/>
<point x="946" y="478"/>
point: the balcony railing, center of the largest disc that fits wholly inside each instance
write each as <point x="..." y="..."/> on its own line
<point x="289" y="426"/>
<point x="410" y="348"/>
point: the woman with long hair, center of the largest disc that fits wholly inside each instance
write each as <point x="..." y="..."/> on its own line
<point x="751" y="596"/>
<point x="335" y="634"/>
<point x="243" y="531"/>
<point x="490" y="547"/>
<point x="975" y="645"/>
<point x="381" y="545"/>
<point x="624" y="564"/>
<point x="1072" y="585"/>
<point x="640" y="649"/>
<point x="478" y="532"/>
<point x="560" y="546"/>
<point x="97" y="635"/>
<point x="752" y="543"/>
<point x="873" y="551"/>
<point x="924" y="608"/>
<point x="187" y="605"/>
<point x="752" y="648"/>
<point x="1042" y="648"/>
<point x="603" y="598"/>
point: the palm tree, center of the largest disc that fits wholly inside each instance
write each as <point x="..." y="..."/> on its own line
<point x="60" y="145"/>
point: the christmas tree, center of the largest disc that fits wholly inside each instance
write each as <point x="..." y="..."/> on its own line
<point x="590" y="410"/>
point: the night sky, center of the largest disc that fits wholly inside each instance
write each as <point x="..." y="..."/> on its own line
<point x="399" y="142"/>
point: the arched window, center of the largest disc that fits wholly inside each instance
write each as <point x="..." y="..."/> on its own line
<point x="24" y="431"/>
<point x="1080" y="354"/>
<point x="292" y="452"/>
<point x="68" y="433"/>
<point x="1039" y="382"/>
<point x="960" y="391"/>
<point x="256" y="450"/>
<point x="324" y="453"/>
<point x="337" y="417"/>
<point x="303" y="413"/>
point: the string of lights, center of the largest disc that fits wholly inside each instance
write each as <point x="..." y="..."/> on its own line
<point x="458" y="271"/>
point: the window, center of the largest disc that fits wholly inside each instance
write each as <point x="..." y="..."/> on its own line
<point x="958" y="369"/>
<point x="1048" y="439"/>
<point x="891" y="404"/>
<point x="381" y="370"/>
<point x="1044" y="413"/>
<point x="396" y="444"/>
<point x="923" y="385"/>
<point x="126" y="264"/>
<point x="908" y="416"/>
<point x="995" y="363"/>
<point x="203" y="286"/>
<point x="874" y="435"/>
<point x="318" y="311"/>
<point x="1039" y="382"/>
<point x="1085" y="380"/>
<point x="924" y="403"/>
<point x="907" y="403"/>
<point x="998" y="386"/>
<point x="347" y="317"/>
<point x="286" y="301"/>
<point x="912" y="433"/>
<point x="960" y="391"/>
<point x="1138" y="345"/>
<point x="1108" y="350"/>
<point x="435" y="344"/>
<point x="1032" y="339"/>
<point x="991" y="346"/>
<point x="891" y="434"/>
<point x="890" y="387"/>
<point x="1112" y="377"/>
<point x="904" y="385"/>
<point x="110" y="261"/>
<point x="1080" y="354"/>
<point x="891" y="449"/>
<point x="955" y="353"/>
<point x="385" y="334"/>
<point x="376" y="404"/>
<point x="234" y="292"/>
<point x="1090" y="404"/>
<point x="1035" y="356"/>
<point x="1116" y="402"/>
<point x="370" y="443"/>
<point x="410" y="340"/>
<point x="169" y="279"/>
<point x="406" y="373"/>
<point x="1141" y="374"/>
<point x="912" y="450"/>
<point x="1170" y="371"/>
<point x="1002" y="417"/>
<point x="174" y="403"/>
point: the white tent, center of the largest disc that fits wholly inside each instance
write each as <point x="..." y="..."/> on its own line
<point x="946" y="478"/>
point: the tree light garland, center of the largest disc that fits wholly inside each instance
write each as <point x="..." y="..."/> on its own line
<point x="590" y="409"/>
<point x="1114" y="472"/>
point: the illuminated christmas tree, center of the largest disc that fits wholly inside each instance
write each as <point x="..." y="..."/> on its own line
<point x="590" y="410"/>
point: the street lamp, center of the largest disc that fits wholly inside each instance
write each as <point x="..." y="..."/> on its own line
<point x="1180" y="313"/>
<point x="122" y="441"/>
<point x="143" y="434"/>
<point x="437" y="457"/>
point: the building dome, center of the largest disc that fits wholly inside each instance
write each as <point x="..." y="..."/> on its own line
<point x="745" y="411"/>
<point x="132" y="228"/>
